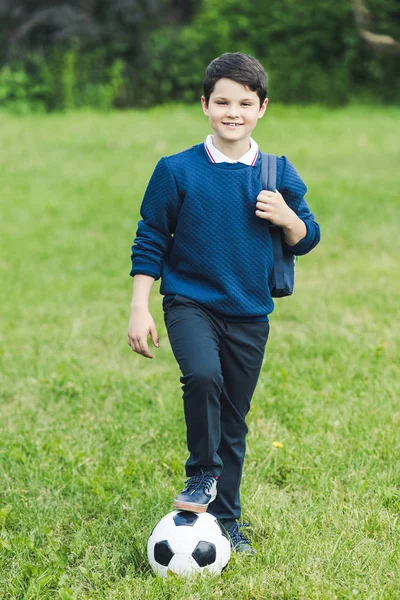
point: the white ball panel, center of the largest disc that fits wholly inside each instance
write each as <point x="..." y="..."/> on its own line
<point x="210" y="534"/>
<point x="184" y="565"/>
<point x="150" y="552"/>
<point x="150" y="549"/>
<point x="160" y="570"/>
<point x="214" y="569"/>
<point x="204" y="520"/>
<point x="162" y="528"/>
<point x="183" y="539"/>
<point x="224" y="551"/>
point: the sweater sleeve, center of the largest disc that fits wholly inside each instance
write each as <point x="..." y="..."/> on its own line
<point x="293" y="191"/>
<point x="159" y="212"/>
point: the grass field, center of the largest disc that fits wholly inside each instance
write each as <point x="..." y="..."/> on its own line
<point x="92" y="442"/>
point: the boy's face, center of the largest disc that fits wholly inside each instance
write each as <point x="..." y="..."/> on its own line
<point x="233" y="111"/>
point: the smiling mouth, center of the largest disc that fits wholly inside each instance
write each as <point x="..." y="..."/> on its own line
<point x="233" y="124"/>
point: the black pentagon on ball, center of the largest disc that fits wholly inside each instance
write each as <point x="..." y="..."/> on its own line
<point x="204" y="554"/>
<point x="185" y="517"/>
<point x="163" y="553"/>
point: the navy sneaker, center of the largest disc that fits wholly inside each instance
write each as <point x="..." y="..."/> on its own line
<point x="200" y="490"/>
<point x="239" y="542"/>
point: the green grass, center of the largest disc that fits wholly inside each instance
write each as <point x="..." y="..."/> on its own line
<point x="92" y="435"/>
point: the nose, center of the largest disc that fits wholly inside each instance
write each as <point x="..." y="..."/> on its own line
<point x="232" y="112"/>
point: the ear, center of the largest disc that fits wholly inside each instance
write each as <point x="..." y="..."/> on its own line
<point x="204" y="105"/>
<point x="263" y="108"/>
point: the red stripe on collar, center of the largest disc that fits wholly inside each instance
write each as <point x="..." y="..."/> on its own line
<point x="209" y="153"/>
<point x="254" y="159"/>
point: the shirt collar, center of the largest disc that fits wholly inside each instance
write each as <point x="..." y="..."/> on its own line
<point x="249" y="158"/>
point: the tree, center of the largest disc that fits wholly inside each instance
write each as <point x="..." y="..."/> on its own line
<point x="379" y="42"/>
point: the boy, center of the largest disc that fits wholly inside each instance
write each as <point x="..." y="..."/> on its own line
<point x="205" y="232"/>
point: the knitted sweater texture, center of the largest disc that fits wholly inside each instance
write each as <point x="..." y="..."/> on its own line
<point x="200" y="234"/>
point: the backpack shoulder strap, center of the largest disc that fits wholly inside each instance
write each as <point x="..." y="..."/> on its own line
<point x="268" y="171"/>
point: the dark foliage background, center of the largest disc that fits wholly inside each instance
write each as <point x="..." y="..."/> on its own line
<point x="105" y="53"/>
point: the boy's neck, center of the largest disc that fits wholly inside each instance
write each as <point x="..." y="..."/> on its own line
<point x="233" y="150"/>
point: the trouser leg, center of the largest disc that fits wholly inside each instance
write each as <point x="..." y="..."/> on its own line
<point x="241" y="355"/>
<point x="195" y="344"/>
<point x="220" y="364"/>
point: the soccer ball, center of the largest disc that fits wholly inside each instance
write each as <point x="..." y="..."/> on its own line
<point x="186" y="543"/>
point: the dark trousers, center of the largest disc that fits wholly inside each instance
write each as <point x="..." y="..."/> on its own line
<point x="220" y="363"/>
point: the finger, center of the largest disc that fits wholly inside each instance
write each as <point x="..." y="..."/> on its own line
<point x="262" y="214"/>
<point x="154" y="337"/>
<point x="131" y="343"/>
<point x="135" y="346"/>
<point x="263" y="203"/>
<point x="266" y="194"/>
<point x="267" y="199"/>
<point x="278" y="195"/>
<point x="264" y="207"/>
<point x="144" y="349"/>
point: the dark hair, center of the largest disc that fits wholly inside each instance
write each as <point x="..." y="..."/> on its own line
<point x="242" y="68"/>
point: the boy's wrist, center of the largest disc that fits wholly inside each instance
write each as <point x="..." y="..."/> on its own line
<point x="295" y="230"/>
<point x="139" y="305"/>
<point x="292" y="222"/>
<point x="141" y="292"/>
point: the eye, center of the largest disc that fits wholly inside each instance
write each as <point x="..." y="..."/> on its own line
<point x="246" y="104"/>
<point x="220" y="102"/>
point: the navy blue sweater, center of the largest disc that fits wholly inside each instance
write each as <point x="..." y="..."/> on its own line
<point x="200" y="234"/>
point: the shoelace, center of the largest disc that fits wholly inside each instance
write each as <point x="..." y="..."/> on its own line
<point x="203" y="481"/>
<point x="237" y="536"/>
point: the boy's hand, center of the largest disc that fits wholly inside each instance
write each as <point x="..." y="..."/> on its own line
<point x="272" y="207"/>
<point x="141" y="324"/>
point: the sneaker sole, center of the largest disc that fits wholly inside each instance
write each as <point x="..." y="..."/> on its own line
<point x="199" y="508"/>
<point x="191" y="506"/>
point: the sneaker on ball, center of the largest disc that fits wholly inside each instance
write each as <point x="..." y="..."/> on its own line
<point x="200" y="490"/>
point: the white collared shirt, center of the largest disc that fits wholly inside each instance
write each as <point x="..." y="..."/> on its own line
<point x="249" y="158"/>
